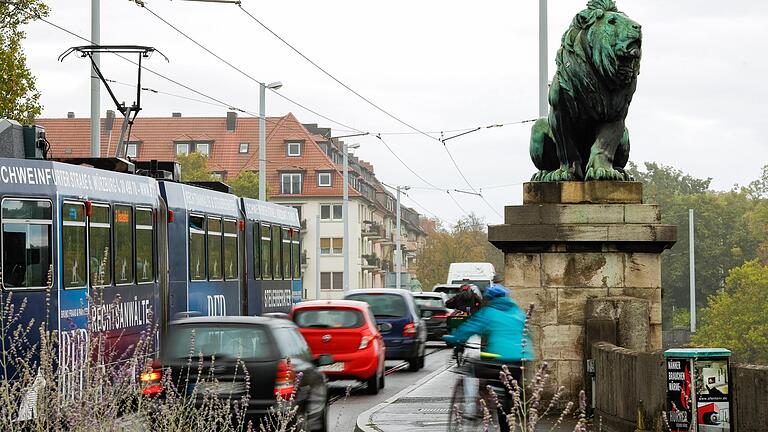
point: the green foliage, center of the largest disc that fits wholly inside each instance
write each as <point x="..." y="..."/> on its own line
<point x="19" y="98"/>
<point x="246" y="184"/>
<point x="194" y="167"/>
<point x="681" y="319"/>
<point x="467" y="241"/>
<point x="730" y="228"/>
<point x="736" y="318"/>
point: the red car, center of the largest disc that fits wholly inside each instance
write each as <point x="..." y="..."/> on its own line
<point x="347" y="330"/>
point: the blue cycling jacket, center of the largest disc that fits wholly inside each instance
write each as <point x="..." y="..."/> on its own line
<point x="501" y="323"/>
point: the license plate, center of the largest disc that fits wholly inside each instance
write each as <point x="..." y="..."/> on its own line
<point x="218" y="388"/>
<point x="334" y="367"/>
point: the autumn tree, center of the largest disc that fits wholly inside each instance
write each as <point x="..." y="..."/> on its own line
<point x="245" y="184"/>
<point x="467" y="241"/>
<point x="19" y="98"/>
<point x="736" y="317"/>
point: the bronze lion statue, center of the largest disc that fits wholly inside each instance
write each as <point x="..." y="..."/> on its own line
<point x="584" y="136"/>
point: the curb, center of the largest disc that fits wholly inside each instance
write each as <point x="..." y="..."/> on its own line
<point x="364" y="422"/>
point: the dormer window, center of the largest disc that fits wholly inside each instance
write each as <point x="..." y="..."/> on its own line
<point x="293" y="148"/>
<point x="324" y="179"/>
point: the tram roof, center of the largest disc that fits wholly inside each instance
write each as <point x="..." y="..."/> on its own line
<point x="195" y="198"/>
<point x="49" y="178"/>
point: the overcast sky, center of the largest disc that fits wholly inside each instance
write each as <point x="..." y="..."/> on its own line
<point x="700" y="104"/>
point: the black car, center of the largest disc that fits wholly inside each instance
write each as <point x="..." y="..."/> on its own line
<point x="271" y="349"/>
<point x="397" y="316"/>
<point x="434" y="313"/>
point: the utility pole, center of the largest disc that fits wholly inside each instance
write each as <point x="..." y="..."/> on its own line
<point x="263" y="137"/>
<point x="398" y="254"/>
<point x="95" y="82"/>
<point x="317" y="257"/>
<point x="692" y="270"/>
<point x="345" y="218"/>
<point x="543" y="79"/>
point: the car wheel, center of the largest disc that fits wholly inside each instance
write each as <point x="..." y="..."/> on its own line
<point x="381" y="381"/>
<point x="373" y="384"/>
<point x="414" y="365"/>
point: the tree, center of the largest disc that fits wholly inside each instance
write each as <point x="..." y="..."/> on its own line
<point x="736" y="318"/>
<point x="245" y="184"/>
<point x="19" y="98"/>
<point x="467" y="241"/>
<point x="194" y="167"/>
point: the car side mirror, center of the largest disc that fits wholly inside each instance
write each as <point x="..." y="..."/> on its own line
<point x="324" y="360"/>
<point x="384" y="327"/>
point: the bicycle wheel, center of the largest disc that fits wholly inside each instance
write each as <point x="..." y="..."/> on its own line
<point x="465" y="412"/>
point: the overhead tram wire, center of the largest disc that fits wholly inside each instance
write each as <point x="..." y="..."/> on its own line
<point x="245" y="74"/>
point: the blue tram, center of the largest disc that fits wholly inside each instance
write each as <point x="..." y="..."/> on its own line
<point x="80" y="252"/>
<point x="90" y="251"/>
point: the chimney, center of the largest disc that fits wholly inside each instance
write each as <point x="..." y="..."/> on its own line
<point x="110" y="120"/>
<point x="176" y="114"/>
<point x="71" y="114"/>
<point x="231" y="120"/>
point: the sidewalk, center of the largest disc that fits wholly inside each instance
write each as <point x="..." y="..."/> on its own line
<point x="424" y="406"/>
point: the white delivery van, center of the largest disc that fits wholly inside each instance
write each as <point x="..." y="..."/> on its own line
<point x="478" y="274"/>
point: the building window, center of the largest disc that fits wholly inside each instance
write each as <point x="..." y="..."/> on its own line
<point x="293" y="148"/>
<point x="332" y="281"/>
<point x="291" y="183"/>
<point x="331" y="246"/>
<point x="324" y="179"/>
<point x="331" y="211"/>
<point x="203" y="148"/>
<point x="243" y="148"/>
<point x="182" y="149"/>
<point x="219" y="175"/>
<point x="132" y="150"/>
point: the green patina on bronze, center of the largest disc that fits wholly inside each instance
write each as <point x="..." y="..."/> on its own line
<point x="584" y="137"/>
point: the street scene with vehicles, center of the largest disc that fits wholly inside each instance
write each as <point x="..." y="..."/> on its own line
<point x="433" y="221"/>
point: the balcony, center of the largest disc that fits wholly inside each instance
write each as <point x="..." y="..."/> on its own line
<point x="304" y="260"/>
<point x="372" y="230"/>
<point x="303" y="225"/>
<point x="370" y="262"/>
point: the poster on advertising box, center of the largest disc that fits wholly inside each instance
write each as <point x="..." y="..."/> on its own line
<point x="679" y="403"/>
<point x="712" y="404"/>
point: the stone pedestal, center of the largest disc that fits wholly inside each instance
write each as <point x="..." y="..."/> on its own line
<point x="574" y="242"/>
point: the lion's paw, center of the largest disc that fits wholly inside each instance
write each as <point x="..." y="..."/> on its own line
<point x="604" y="174"/>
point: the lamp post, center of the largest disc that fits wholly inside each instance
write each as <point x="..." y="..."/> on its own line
<point x="398" y="255"/>
<point x="263" y="138"/>
<point x="345" y="212"/>
<point x="543" y="79"/>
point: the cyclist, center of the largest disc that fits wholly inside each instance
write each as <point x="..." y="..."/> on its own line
<point x="501" y="324"/>
<point x="466" y="300"/>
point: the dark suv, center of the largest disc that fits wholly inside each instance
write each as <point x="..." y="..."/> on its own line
<point x="434" y="313"/>
<point x="272" y="350"/>
<point x="397" y="316"/>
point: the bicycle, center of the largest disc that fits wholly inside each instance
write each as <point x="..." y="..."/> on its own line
<point x="454" y="321"/>
<point x="472" y="403"/>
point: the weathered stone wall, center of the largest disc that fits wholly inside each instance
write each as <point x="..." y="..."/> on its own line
<point x="624" y="378"/>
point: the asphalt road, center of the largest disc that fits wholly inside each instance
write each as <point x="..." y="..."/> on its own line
<point x="345" y="408"/>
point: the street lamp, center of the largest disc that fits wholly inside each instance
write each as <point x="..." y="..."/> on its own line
<point x="398" y="255"/>
<point x="345" y="212"/>
<point x="263" y="138"/>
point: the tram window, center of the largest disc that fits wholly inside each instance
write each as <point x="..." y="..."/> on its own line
<point x="214" y="248"/>
<point x="26" y="243"/>
<point x="287" y="272"/>
<point x="276" y="252"/>
<point x="256" y="251"/>
<point x="196" y="247"/>
<point x="75" y="270"/>
<point x="144" y="256"/>
<point x="123" y="217"/>
<point x="296" y="255"/>
<point x="230" y="249"/>
<point x="100" y="246"/>
<point x="266" y="251"/>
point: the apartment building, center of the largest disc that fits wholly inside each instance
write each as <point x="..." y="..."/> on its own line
<point x="304" y="170"/>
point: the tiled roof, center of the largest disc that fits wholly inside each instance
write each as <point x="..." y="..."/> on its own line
<point x="71" y="138"/>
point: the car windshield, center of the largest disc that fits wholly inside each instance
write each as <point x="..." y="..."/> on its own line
<point x="328" y="318"/>
<point x="480" y="284"/>
<point x="383" y="305"/>
<point x="249" y="342"/>
<point x="429" y="301"/>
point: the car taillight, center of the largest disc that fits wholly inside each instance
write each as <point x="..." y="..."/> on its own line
<point x="440" y="316"/>
<point x="151" y="381"/>
<point x="409" y="329"/>
<point x="285" y="379"/>
<point x="364" y="342"/>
